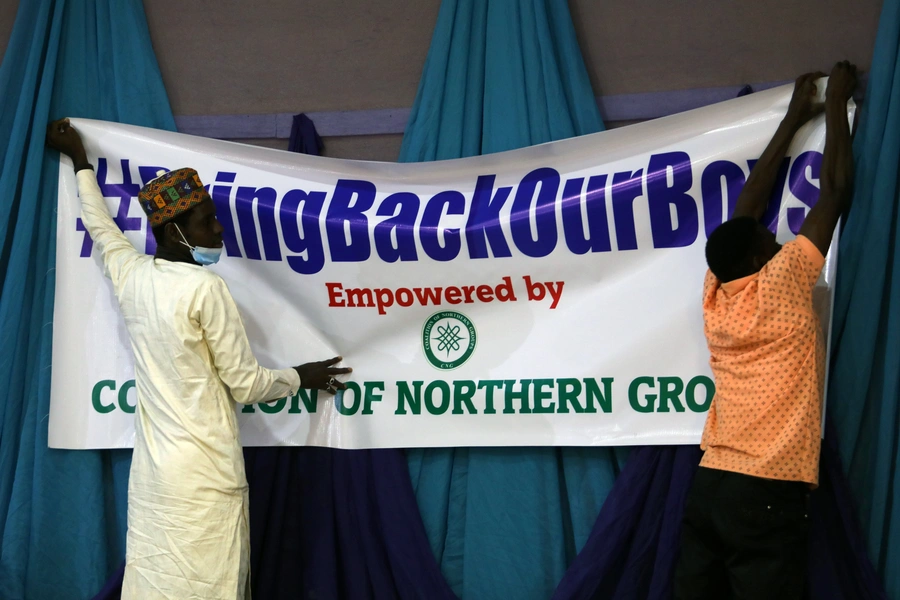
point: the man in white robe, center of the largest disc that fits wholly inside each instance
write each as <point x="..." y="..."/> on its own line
<point x="188" y="532"/>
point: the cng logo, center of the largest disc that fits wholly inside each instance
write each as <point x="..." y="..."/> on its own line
<point x="448" y="339"/>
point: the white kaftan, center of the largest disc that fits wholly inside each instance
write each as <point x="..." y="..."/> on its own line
<point x="188" y="532"/>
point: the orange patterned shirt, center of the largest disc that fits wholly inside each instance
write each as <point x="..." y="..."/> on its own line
<point x="768" y="359"/>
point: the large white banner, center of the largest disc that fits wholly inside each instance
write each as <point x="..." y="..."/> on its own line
<point x="544" y="296"/>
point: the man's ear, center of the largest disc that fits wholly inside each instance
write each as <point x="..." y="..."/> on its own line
<point x="758" y="263"/>
<point x="171" y="236"/>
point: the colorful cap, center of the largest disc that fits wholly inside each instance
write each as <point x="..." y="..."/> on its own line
<point x="171" y="194"/>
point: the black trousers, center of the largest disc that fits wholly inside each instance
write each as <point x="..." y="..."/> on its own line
<point x="743" y="537"/>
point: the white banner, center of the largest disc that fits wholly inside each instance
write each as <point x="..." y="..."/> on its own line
<point x="543" y="296"/>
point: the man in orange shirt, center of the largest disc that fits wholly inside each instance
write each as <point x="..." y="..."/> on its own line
<point x="745" y="525"/>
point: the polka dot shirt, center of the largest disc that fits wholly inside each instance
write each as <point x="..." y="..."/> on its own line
<point x="767" y="356"/>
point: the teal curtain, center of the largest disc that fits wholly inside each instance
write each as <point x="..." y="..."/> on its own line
<point x="62" y="513"/>
<point x="864" y="392"/>
<point x="500" y="74"/>
<point x="504" y="522"/>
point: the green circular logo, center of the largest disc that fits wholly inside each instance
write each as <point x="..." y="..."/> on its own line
<point x="448" y="339"/>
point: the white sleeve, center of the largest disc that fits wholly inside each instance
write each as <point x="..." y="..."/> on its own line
<point x="229" y="347"/>
<point x="115" y="249"/>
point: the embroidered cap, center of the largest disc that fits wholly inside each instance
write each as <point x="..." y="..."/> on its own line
<point x="171" y="194"/>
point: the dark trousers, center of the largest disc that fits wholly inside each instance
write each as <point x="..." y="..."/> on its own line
<point x="743" y="537"/>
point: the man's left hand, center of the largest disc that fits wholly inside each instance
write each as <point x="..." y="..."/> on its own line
<point x="321" y="375"/>
<point x="63" y="137"/>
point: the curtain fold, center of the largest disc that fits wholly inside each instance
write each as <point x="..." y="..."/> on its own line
<point x="633" y="548"/>
<point x="499" y="76"/>
<point x="864" y="390"/>
<point x="62" y="514"/>
<point x="337" y="524"/>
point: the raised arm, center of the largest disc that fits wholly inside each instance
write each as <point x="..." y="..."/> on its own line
<point x="755" y="196"/>
<point x="115" y="249"/>
<point x="836" y="175"/>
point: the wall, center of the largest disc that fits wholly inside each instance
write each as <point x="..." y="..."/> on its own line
<point x="274" y="56"/>
<point x="7" y="16"/>
<point x="653" y="45"/>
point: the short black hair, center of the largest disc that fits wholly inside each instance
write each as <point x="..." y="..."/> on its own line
<point x="731" y="248"/>
<point x="181" y="219"/>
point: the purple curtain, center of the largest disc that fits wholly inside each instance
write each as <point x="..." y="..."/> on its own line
<point x="337" y="524"/>
<point x="304" y="137"/>
<point x="633" y="547"/>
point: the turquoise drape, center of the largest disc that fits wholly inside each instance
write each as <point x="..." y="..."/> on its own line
<point x="864" y="392"/>
<point x="504" y="522"/>
<point x="499" y="75"/>
<point x="62" y="514"/>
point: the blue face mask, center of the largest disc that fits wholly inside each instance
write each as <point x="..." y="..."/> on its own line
<point x="202" y="256"/>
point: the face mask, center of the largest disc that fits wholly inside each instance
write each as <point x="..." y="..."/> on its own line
<point x="202" y="256"/>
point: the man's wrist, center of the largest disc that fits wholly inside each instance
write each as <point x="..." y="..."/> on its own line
<point x="835" y="102"/>
<point x="80" y="161"/>
<point x="792" y="121"/>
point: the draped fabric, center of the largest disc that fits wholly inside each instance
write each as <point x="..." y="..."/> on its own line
<point x="339" y="524"/>
<point x="838" y="567"/>
<point x="62" y="514"/>
<point x="332" y="524"/>
<point x="499" y="75"/>
<point x="864" y="392"/>
<point x="504" y="522"/>
<point x="633" y="548"/>
<point x="304" y="137"/>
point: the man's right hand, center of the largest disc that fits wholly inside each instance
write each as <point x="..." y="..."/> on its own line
<point x="804" y="106"/>
<point x="321" y="375"/>
<point x="754" y="198"/>
<point x="63" y="137"/>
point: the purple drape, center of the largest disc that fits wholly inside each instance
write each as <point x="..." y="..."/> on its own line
<point x="304" y="137"/>
<point x="631" y="552"/>
<point x="337" y="524"/>
<point x="839" y="566"/>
